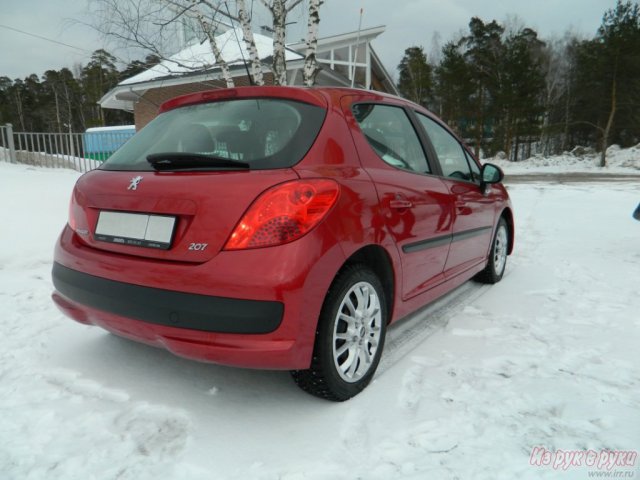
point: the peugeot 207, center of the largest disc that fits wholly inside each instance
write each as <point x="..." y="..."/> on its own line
<point x="280" y="228"/>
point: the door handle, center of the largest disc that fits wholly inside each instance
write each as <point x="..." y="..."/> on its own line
<point x="400" y="203"/>
<point x="462" y="208"/>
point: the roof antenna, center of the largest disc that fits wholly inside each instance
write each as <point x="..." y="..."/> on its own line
<point x="235" y="33"/>
<point x="355" y="55"/>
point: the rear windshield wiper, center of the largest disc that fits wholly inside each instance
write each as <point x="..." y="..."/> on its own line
<point x="193" y="161"/>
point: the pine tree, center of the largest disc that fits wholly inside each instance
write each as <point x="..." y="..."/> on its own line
<point x="416" y="77"/>
<point x="520" y="98"/>
<point x="484" y="53"/>
<point x="619" y="36"/>
<point x="607" y="82"/>
<point x="98" y="77"/>
<point x="454" y="88"/>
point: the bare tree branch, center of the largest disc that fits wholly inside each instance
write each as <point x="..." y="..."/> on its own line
<point x="207" y="28"/>
<point x="293" y="5"/>
<point x="279" y="10"/>
<point x="154" y="27"/>
<point x="150" y="26"/>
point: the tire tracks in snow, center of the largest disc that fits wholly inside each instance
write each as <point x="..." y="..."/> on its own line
<point x="410" y="332"/>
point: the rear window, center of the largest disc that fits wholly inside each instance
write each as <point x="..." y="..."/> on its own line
<point x="265" y="133"/>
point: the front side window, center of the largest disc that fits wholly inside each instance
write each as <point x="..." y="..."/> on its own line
<point x="392" y="136"/>
<point x="475" y="169"/>
<point x="263" y="133"/>
<point x="451" y="155"/>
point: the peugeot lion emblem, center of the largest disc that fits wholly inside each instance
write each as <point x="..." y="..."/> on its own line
<point x="134" y="183"/>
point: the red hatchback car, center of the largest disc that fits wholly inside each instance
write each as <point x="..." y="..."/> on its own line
<point x="280" y="228"/>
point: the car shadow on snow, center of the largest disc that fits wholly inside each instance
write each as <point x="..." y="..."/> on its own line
<point x="155" y="375"/>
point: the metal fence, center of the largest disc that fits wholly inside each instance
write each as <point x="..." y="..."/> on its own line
<point x="78" y="151"/>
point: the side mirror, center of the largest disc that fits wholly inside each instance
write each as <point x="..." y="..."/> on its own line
<point x="490" y="174"/>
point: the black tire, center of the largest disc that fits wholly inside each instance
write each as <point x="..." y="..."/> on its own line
<point x="497" y="262"/>
<point x="347" y="332"/>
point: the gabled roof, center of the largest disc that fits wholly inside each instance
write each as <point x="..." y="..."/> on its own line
<point x="199" y="57"/>
<point x="196" y="64"/>
<point x="382" y="74"/>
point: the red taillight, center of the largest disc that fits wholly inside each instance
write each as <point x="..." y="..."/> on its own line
<point x="73" y="222"/>
<point x="284" y="213"/>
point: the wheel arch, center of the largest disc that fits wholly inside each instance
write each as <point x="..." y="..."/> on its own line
<point x="507" y="214"/>
<point x="378" y="259"/>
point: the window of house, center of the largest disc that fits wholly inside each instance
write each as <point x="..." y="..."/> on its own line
<point x="343" y="70"/>
<point x="391" y="135"/>
<point x="350" y="61"/>
<point x="360" y="53"/>
<point x="341" y="54"/>
<point x="360" y="76"/>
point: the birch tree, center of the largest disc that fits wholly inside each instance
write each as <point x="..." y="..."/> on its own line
<point x="310" y="69"/>
<point x="206" y="25"/>
<point x="247" y="34"/>
<point x="279" y="10"/>
<point x="150" y="25"/>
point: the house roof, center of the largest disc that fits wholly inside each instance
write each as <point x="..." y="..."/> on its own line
<point x="382" y="74"/>
<point x="199" y="57"/>
<point x="196" y="64"/>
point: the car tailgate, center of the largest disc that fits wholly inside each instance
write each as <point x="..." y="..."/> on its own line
<point x="175" y="216"/>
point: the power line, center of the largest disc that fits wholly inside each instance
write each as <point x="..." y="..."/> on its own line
<point x="44" y="38"/>
<point x="118" y="60"/>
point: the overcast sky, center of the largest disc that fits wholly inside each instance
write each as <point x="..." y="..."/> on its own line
<point x="408" y="22"/>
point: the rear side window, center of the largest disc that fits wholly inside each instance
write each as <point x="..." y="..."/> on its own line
<point x="391" y="135"/>
<point x="265" y="133"/>
<point x="451" y="156"/>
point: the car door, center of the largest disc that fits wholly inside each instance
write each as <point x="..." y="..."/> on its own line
<point x="416" y="208"/>
<point x="474" y="212"/>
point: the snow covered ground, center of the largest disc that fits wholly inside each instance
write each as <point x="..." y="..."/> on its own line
<point x="43" y="159"/>
<point x="619" y="161"/>
<point x="468" y="387"/>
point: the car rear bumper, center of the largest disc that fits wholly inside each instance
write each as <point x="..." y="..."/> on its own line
<point x="256" y="308"/>
<point x="240" y="350"/>
<point x="166" y="307"/>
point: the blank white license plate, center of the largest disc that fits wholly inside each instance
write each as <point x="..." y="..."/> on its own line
<point x="137" y="229"/>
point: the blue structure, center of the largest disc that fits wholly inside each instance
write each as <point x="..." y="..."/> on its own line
<point x="100" y="142"/>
